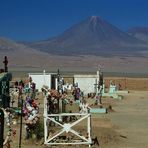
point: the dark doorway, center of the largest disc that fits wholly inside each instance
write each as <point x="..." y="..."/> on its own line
<point x="53" y="81"/>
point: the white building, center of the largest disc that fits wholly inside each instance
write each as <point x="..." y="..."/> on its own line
<point x="87" y="83"/>
<point x="40" y="79"/>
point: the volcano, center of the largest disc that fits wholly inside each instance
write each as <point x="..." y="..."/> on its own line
<point x="92" y="36"/>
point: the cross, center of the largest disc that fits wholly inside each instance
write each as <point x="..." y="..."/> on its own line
<point x="5" y="64"/>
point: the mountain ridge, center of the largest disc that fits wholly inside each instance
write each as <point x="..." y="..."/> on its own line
<point x="92" y="36"/>
<point x="140" y="33"/>
<point x="25" y="58"/>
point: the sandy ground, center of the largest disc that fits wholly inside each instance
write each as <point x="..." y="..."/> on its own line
<point x="32" y="60"/>
<point x="130" y="121"/>
<point x="124" y="127"/>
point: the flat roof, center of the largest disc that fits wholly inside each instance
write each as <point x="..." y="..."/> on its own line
<point x="42" y="73"/>
<point x="86" y="76"/>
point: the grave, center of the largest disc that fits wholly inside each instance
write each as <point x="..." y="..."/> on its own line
<point x="5" y="79"/>
<point x="60" y="128"/>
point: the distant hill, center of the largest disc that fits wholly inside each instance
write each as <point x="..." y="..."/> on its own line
<point x="11" y="47"/>
<point x="140" y="33"/>
<point x="21" y="56"/>
<point x="8" y="45"/>
<point x="92" y="36"/>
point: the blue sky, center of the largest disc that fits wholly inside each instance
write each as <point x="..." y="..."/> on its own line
<point x="31" y="20"/>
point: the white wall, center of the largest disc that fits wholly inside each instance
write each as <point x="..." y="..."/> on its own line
<point x="41" y="79"/>
<point x="86" y="82"/>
